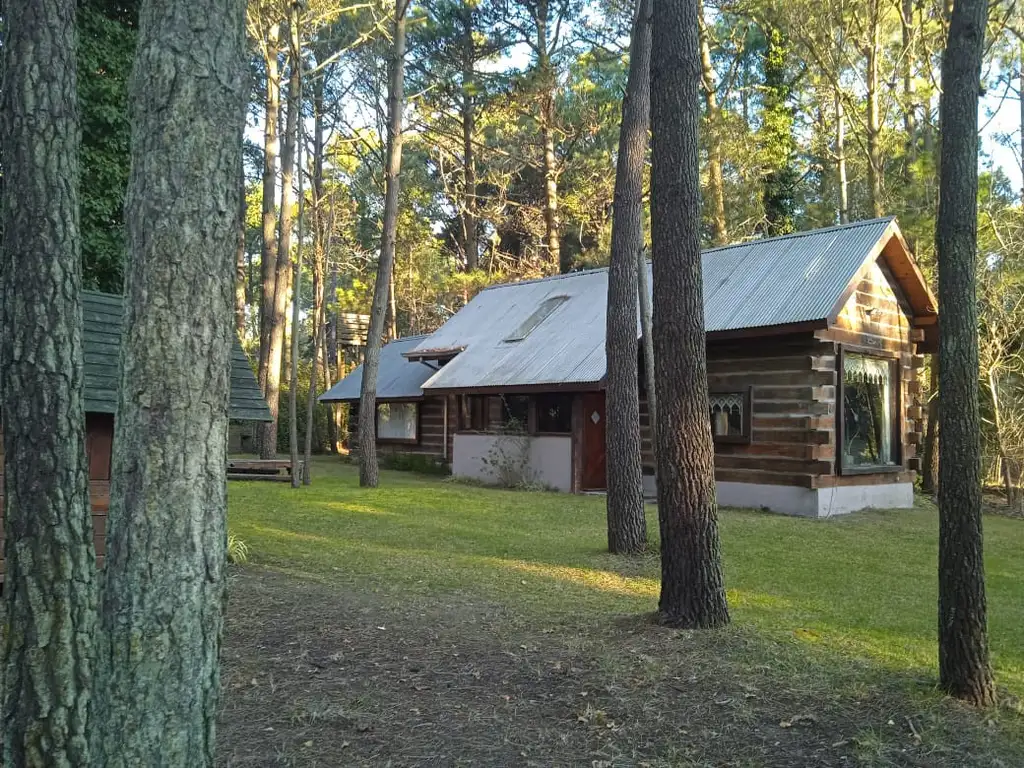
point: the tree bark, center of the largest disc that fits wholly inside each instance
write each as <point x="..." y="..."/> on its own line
<point x="283" y="265"/>
<point x="874" y="116"/>
<point x="546" y="76"/>
<point x="964" y="669"/>
<point x="49" y="583"/>
<point x="268" y="256"/>
<point x="716" y="181"/>
<point x="692" y="588"/>
<point x="295" y="107"/>
<point x="844" y="187"/>
<point x="471" y="237"/>
<point x="240" y="272"/>
<point x="369" y="473"/>
<point x="164" y="588"/>
<point x="627" y="526"/>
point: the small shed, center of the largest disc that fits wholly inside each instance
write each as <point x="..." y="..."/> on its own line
<point x="101" y="340"/>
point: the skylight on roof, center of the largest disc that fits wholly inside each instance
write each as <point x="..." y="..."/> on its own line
<point x="538" y="316"/>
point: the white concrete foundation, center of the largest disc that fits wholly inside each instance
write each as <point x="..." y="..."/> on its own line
<point x="808" y="502"/>
<point x="537" y="460"/>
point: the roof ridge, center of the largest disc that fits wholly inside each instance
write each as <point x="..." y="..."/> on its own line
<point x="716" y="249"/>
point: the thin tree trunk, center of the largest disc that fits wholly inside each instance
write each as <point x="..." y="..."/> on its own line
<point x="692" y="588"/>
<point x="368" y="470"/>
<point x="1004" y="466"/>
<point x="295" y="106"/>
<point x="282" y="281"/>
<point x="716" y="182"/>
<point x="545" y="71"/>
<point x="164" y="585"/>
<point x="317" y="320"/>
<point x="268" y="262"/>
<point x="627" y="526"/>
<point x="909" y="107"/>
<point x="844" y="187"/>
<point x="240" y="263"/>
<point x="930" y="453"/>
<point x="50" y="566"/>
<point x="964" y="669"/>
<point x="469" y="206"/>
<point x="392" y="319"/>
<point x="874" y="117"/>
<point x="331" y="361"/>
<point x="1020" y="88"/>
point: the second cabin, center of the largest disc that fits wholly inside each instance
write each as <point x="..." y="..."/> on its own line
<point x="814" y="344"/>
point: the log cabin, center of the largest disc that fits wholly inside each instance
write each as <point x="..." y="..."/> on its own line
<point x="101" y="338"/>
<point x="814" y="345"/>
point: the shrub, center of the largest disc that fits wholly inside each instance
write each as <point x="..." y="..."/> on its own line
<point x="238" y="550"/>
<point x="414" y="462"/>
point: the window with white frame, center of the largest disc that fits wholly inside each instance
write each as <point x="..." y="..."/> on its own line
<point x="730" y="416"/>
<point x="398" y="422"/>
<point x="869" y="412"/>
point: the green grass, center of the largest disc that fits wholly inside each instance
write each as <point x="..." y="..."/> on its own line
<point x="862" y="586"/>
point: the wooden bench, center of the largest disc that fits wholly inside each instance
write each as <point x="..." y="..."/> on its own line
<point x="262" y="469"/>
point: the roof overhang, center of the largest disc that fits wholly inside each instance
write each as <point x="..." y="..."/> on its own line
<point x="518" y="389"/>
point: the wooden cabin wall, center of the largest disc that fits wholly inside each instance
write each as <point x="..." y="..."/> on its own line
<point x="877" y="318"/>
<point x="99" y="442"/>
<point x="793" y="400"/>
<point x="431" y="431"/>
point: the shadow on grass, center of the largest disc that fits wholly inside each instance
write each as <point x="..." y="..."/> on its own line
<point x="862" y="587"/>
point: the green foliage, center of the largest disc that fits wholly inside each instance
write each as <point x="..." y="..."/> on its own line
<point x="238" y="550"/>
<point x="415" y="462"/>
<point x="778" y="145"/>
<point x="107" y="31"/>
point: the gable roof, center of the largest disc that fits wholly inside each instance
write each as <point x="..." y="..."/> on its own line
<point x="101" y="338"/>
<point x="767" y="286"/>
<point x="397" y="377"/>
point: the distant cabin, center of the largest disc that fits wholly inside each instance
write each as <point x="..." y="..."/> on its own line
<point x="814" y="344"/>
<point x="101" y="340"/>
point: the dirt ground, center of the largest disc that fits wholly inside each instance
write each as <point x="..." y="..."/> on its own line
<point x="324" y="675"/>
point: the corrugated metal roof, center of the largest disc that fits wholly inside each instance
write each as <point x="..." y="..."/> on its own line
<point x="102" y="315"/>
<point x="397" y="377"/>
<point x="768" y="282"/>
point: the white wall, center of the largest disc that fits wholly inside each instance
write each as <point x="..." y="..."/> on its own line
<point x="542" y="460"/>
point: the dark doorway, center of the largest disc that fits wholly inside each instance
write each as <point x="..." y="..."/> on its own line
<point x="593" y="476"/>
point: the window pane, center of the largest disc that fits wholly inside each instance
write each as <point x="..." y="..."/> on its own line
<point x="554" y="413"/>
<point x="515" y="412"/>
<point x="867" y="411"/>
<point x="396" y="421"/>
<point x="727" y="413"/>
<point x="537" y="317"/>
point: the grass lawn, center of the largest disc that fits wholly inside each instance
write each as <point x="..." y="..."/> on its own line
<point x="833" y="621"/>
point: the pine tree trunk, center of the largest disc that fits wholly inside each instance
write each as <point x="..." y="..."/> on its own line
<point x="469" y="207"/>
<point x="295" y="106"/>
<point x="240" y="271"/>
<point x="692" y="589"/>
<point x="50" y="566"/>
<point x="627" y="526"/>
<point x="964" y="669"/>
<point x="283" y="268"/>
<point x="909" y="62"/>
<point x="716" y="181"/>
<point x="546" y="75"/>
<point x="369" y="472"/>
<point x="647" y="343"/>
<point x="874" y="116"/>
<point x="266" y="440"/>
<point x="164" y="588"/>
<point x="844" y="189"/>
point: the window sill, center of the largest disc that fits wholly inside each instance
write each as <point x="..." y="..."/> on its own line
<point x="878" y="469"/>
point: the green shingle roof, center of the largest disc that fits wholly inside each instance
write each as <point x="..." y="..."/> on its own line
<point x="102" y="315"/>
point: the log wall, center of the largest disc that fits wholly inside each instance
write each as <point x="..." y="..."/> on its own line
<point x="431" y="431"/>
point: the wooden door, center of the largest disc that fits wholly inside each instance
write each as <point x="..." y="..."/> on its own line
<point x="594" y="470"/>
